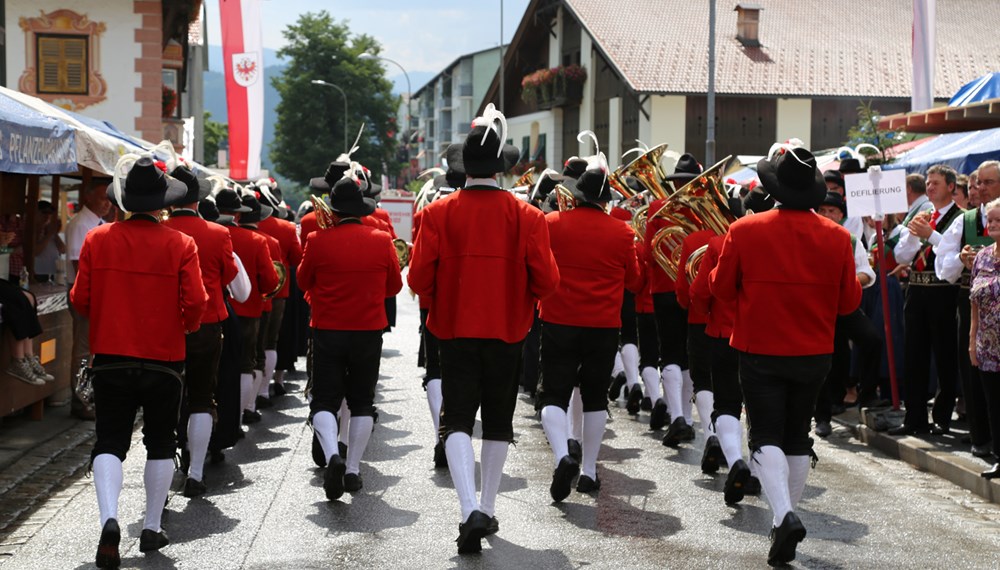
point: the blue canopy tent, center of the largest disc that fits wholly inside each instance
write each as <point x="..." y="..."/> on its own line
<point x="33" y="143"/>
<point x="982" y="89"/>
<point x="962" y="151"/>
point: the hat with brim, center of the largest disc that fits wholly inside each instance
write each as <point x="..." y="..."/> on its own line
<point x="757" y="201"/>
<point x="272" y="197"/>
<point x="835" y="177"/>
<point x="373" y="191"/>
<point x="147" y="188"/>
<point x="574" y="168"/>
<point x="482" y="153"/>
<point x="346" y="199"/>
<point x="850" y="166"/>
<point x="545" y="185"/>
<point x="836" y="200"/>
<point x="258" y="211"/>
<point x="791" y="178"/>
<point x="198" y="188"/>
<point x="453" y="156"/>
<point x="511" y="156"/>
<point x="334" y="172"/>
<point x="686" y="169"/>
<point x="592" y="186"/>
<point x="228" y="202"/>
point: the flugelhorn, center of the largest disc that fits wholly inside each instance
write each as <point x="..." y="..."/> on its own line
<point x="701" y="204"/>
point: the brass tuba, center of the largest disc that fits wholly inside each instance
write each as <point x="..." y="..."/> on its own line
<point x="564" y="198"/>
<point x="701" y="204"/>
<point x="403" y="252"/>
<point x="279" y="268"/>
<point x="694" y="263"/>
<point x="526" y="179"/>
<point x="324" y="215"/>
<point x="646" y="169"/>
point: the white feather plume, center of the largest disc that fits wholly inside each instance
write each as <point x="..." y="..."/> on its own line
<point x="122" y="167"/>
<point x="490" y="117"/>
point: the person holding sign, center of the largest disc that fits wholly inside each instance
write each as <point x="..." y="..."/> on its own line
<point x="930" y="309"/>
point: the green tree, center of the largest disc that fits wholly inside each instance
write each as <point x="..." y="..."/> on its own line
<point x="309" y="132"/>
<point x="215" y="133"/>
<point x="868" y="131"/>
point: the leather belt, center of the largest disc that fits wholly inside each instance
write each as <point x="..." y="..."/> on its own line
<point x="927" y="279"/>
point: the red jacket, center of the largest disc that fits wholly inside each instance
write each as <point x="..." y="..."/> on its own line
<point x="483" y="259"/>
<point x="291" y="249"/>
<point x="644" y="297"/>
<point x="274" y="250"/>
<point x="791" y="272"/>
<point x="307" y="225"/>
<point x="215" y="257"/>
<point x="720" y="313"/>
<point x="383" y="216"/>
<point x="255" y="255"/>
<point x="659" y="282"/>
<point x="348" y="271"/>
<point x="690" y="243"/>
<point x="596" y="257"/>
<point x="423" y="300"/>
<point x="140" y="285"/>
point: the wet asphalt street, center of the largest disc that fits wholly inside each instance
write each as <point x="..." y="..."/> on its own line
<point x="266" y="507"/>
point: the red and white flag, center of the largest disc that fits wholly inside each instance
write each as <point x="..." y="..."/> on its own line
<point x="242" y="56"/>
<point x="923" y="54"/>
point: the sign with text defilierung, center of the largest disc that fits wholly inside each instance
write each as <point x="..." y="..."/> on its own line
<point x="876" y="192"/>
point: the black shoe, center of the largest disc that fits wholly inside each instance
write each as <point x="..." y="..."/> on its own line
<point x="562" y="478"/>
<point x="107" y="548"/>
<point x="278" y="389"/>
<point x="494" y="527"/>
<point x="752" y="487"/>
<point x="992" y="472"/>
<point x="575" y="449"/>
<point x="471" y="533"/>
<point x="675" y="433"/>
<point x="250" y="418"/>
<point x="712" y="458"/>
<point x="216" y="456"/>
<point x="342" y="448"/>
<point x="658" y="417"/>
<point x="784" y="539"/>
<point x="646" y="404"/>
<point x="440" y="457"/>
<point x="982" y="451"/>
<point x="264" y="403"/>
<point x="909" y="430"/>
<point x="940" y="429"/>
<point x="353" y="483"/>
<point x="687" y="434"/>
<point x="194" y="488"/>
<point x="615" y="389"/>
<point x="151" y="540"/>
<point x="318" y="455"/>
<point x="333" y="479"/>
<point x="823" y="429"/>
<point x="634" y="400"/>
<point x="737" y="482"/>
<point x="588" y="485"/>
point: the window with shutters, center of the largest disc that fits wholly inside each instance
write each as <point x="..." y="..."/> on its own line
<point x="62" y="63"/>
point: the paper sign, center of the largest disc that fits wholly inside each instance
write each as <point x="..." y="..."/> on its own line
<point x="401" y="213"/>
<point x="876" y="193"/>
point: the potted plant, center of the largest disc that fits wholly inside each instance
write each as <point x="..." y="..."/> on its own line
<point x="557" y="86"/>
<point x="169" y="102"/>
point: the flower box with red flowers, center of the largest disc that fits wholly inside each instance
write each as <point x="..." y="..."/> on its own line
<point x="555" y="87"/>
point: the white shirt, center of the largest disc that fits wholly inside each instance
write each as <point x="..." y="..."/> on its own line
<point x="855" y="225"/>
<point x="861" y="264"/>
<point x="76" y="231"/>
<point x="909" y="244"/>
<point x="947" y="263"/>
<point x="239" y="288"/>
<point x="481" y="182"/>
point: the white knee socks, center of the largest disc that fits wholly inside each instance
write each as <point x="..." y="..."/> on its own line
<point x="554" y="425"/>
<point x="593" y="434"/>
<point x="246" y="391"/>
<point x="798" y="472"/>
<point x="630" y="359"/>
<point x="687" y="391"/>
<point x="258" y="380"/>
<point x="345" y="421"/>
<point x="270" y="361"/>
<point x="619" y="366"/>
<point x="730" y="433"/>
<point x="651" y="382"/>
<point x="575" y="415"/>
<point x="108" y="484"/>
<point x="773" y="475"/>
<point x="672" y="381"/>
<point x="199" y="432"/>
<point x="157" y="477"/>
<point x="491" y="463"/>
<point x="705" y="401"/>
<point x="359" y="434"/>
<point x="325" y="427"/>
<point x="434" y="399"/>
<point x="462" y="465"/>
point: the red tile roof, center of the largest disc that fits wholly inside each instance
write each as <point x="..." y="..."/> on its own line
<point x="809" y="47"/>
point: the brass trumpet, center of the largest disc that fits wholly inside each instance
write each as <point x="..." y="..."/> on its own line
<point x="564" y="198"/>
<point x="701" y="204"/>
<point x="324" y="215"/>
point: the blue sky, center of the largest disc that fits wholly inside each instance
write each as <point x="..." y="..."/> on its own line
<point x="422" y="35"/>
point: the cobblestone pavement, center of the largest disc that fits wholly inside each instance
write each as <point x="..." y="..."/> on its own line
<point x="265" y="507"/>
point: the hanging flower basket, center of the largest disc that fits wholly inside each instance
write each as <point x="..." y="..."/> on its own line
<point x="169" y="102"/>
<point x="555" y="87"/>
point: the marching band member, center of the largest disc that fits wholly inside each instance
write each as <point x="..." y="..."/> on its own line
<point x="483" y="257"/>
<point x="138" y="345"/>
<point x="348" y="271"/>
<point x="203" y="347"/>
<point x="671" y="327"/>
<point x="784" y="328"/>
<point x="625" y="373"/>
<point x="596" y="257"/>
<point x="649" y="343"/>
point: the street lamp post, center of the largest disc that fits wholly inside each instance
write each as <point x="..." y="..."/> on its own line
<point x="325" y="84"/>
<point x="409" y="89"/>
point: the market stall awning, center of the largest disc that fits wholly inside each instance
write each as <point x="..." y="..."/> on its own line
<point x="972" y="117"/>
<point x="962" y="151"/>
<point x="33" y="143"/>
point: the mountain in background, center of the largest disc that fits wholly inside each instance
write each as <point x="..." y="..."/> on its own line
<point x="215" y="91"/>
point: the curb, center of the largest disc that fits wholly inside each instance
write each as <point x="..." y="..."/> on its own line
<point x="919" y="453"/>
